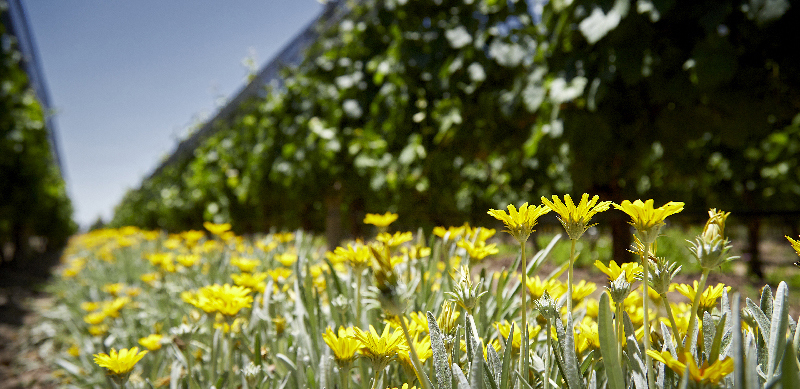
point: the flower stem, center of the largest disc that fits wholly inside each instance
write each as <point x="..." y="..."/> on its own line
<point x="646" y="306"/>
<point x="522" y="368"/>
<point x="547" y="362"/>
<point x="695" y="305"/>
<point x="358" y="298"/>
<point x="569" y="276"/>
<point x="426" y="384"/>
<point x="375" y="380"/>
<point x="675" y="329"/>
<point x="524" y="284"/>
<point x="620" y="328"/>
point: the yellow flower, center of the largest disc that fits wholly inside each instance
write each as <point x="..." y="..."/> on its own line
<point x="283" y="237"/>
<point x="795" y="244"/>
<point x="225" y="299"/>
<point x="119" y="363"/>
<point x="217" y="229"/>
<point x="279" y="274"/>
<point x="479" y="233"/>
<point x="98" y="330"/>
<point x="150" y="278"/>
<point x="74" y="350"/>
<point x="415" y="252"/>
<point x="280" y="324"/>
<point x="520" y="223"/>
<point x="478" y="250"/>
<point x="537" y="287"/>
<point x="394" y="240"/>
<point x="632" y="270"/>
<point x="448" y="318"/>
<point x="379" y="220"/>
<point x="266" y="247"/>
<point x="648" y="220"/>
<point x="286" y="259"/>
<point x="583" y="289"/>
<point x="451" y="233"/>
<point x="380" y="349"/>
<point x="254" y="281"/>
<point x="210" y="246"/>
<point x="245" y="264"/>
<point x="588" y="337"/>
<point x="188" y="260"/>
<point x="357" y="256"/>
<point x="191" y="237"/>
<point x="152" y="342"/>
<point x="226" y="328"/>
<point x="405" y="386"/>
<point x="709" y="297"/>
<point x="423" y="349"/>
<point x="112" y="308"/>
<point x="94" y="318"/>
<point x="516" y="341"/>
<point x="90" y="305"/>
<point x="344" y="345"/>
<point x="705" y="374"/>
<point x="113" y="289"/>
<point x="576" y="219"/>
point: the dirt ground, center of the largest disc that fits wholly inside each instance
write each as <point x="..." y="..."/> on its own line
<point x="22" y="362"/>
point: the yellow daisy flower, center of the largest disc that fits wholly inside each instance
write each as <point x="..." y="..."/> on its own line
<point x="520" y="223"/>
<point x="704" y="374"/>
<point x="254" y="281"/>
<point x="478" y="250"/>
<point x="225" y="299"/>
<point x="795" y="244"/>
<point x="395" y="240"/>
<point x="217" y="229"/>
<point x="188" y="260"/>
<point x="151" y="342"/>
<point x="343" y="344"/>
<point x="648" y="220"/>
<point x="709" y="297"/>
<point x="632" y="270"/>
<point x="575" y="219"/>
<point x="380" y="349"/>
<point x="245" y="264"/>
<point x="379" y="220"/>
<point x="121" y="362"/>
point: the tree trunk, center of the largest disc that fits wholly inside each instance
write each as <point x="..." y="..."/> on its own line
<point x="753" y="227"/>
<point x="621" y="240"/>
<point x="333" y="217"/>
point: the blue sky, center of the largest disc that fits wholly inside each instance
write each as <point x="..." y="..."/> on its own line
<point x="128" y="78"/>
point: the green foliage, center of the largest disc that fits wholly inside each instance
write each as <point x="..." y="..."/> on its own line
<point x="33" y="199"/>
<point x="438" y="110"/>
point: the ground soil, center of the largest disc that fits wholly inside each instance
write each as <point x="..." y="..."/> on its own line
<point x="22" y="359"/>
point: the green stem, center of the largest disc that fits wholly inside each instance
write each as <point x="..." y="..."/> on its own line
<point x="547" y="366"/>
<point x="522" y="367"/>
<point x="646" y="306"/>
<point x="358" y="297"/>
<point x="375" y="380"/>
<point x="345" y="376"/>
<point x="695" y="305"/>
<point x="569" y="276"/>
<point x="524" y="285"/>
<point x="675" y="329"/>
<point x="426" y="384"/>
<point x="620" y="328"/>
